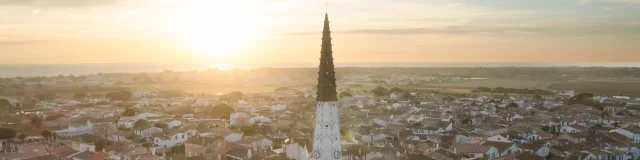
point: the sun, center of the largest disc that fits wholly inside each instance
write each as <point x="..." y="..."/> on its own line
<point x="220" y="67"/>
<point x="218" y="29"/>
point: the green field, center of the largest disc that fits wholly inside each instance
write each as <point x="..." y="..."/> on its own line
<point x="606" y="88"/>
<point x="492" y="83"/>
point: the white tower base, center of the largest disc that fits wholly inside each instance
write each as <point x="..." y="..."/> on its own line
<point x="326" y="136"/>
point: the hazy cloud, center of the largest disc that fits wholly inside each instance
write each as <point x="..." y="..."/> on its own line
<point x="59" y="3"/>
<point x="487" y="29"/>
<point x="614" y="1"/>
<point x="22" y="42"/>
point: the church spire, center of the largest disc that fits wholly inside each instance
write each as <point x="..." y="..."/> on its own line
<point x="326" y="75"/>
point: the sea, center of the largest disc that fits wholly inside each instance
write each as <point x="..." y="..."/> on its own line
<point x="33" y="70"/>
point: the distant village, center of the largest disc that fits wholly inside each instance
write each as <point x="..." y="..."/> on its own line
<point x="389" y="122"/>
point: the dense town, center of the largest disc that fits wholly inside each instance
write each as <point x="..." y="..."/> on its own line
<point x="391" y="121"/>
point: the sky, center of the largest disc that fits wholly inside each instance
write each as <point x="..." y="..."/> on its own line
<point x="289" y="31"/>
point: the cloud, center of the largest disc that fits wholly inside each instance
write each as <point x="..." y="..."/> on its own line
<point x="611" y="1"/>
<point x="59" y="3"/>
<point x="487" y="29"/>
<point x="23" y="42"/>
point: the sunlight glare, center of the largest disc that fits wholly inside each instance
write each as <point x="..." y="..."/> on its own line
<point x="218" y="29"/>
<point x="220" y="67"/>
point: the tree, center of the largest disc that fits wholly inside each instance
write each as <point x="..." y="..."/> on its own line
<point x="448" y="98"/>
<point x="22" y="136"/>
<point x="179" y="149"/>
<point x="7" y="133"/>
<point x="161" y="125"/>
<point x="417" y="124"/>
<point x="46" y="134"/>
<point x="45" y="96"/>
<point x="36" y="121"/>
<point x="140" y="123"/>
<point x="467" y="121"/>
<point x="247" y="130"/>
<point x="233" y="127"/>
<point x="100" y="145"/>
<point x="223" y="110"/>
<point x="129" y="112"/>
<point x="537" y="97"/>
<point x="344" y="94"/>
<point x="5" y="103"/>
<point x="406" y="95"/>
<point x="513" y="105"/>
<point x="119" y="96"/>
<point x="379" y="91"/>
<point x="232" y="97"/>
<point x="282" y="89"/>
<point x="345" y="134"/>
<point x="583" y="96"/>
<point x="79" y="95"/>
<point x="395" y="90"/>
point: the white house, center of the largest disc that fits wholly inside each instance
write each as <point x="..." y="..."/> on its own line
<point x="174" y="123"/>
<point x="279" y="107"/>
<point x="503" y="148"/>
<point x="499" y="138"/>
<point x="119" y="136"/>
<point x="514" y="117"/>
<point x="260" y="120"/>
<point x="296" y="151"/>
<point x="382" y="120"/>
<point x="174" y="139"/>
<point x="393" y="96"/>
<point x="629" y="132"/>
<point x="256" y="142"/>
<point x="364" y="99"/>
<point x="426" y="130"/>
<point x="375" y="137"/>
<point x="540" y="148"/>
<point x="229" y="136"/>
<point x="475" y="151"/>
<point x="76" y="129"/>
<point x="235" y="116"/>
<point x="148" y="132"/>
<point x="569" y="93"/>
<point x="147" y="115"/>
<point x="572" y="129"/>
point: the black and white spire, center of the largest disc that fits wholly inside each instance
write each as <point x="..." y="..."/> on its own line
<point x="326" y="74"/>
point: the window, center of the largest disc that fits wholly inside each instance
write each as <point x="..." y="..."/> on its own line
<point x="183" y="136"/>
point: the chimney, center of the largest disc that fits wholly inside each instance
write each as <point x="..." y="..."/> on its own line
<point x="152" y="150"/>
<point x="249" y="153"/>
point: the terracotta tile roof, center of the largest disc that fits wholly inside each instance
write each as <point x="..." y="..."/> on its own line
<point x="618" y="137"/>
<point x="83" y="155"/>
<point x="578" y="127"/>
<point x="99" y="156"/>
<point x="135" y="151"/>
<point x="31" y="151"/>
<point x="63" y="151"/>
<point x="417" y="157"/>
<point x="470" y="148"/>
<point x="442" y="154"/>
<point x="534" y="146"/>
<point x="501" y="146"/>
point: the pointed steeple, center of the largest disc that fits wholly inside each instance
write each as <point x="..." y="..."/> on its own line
<point x="326" y="75"/>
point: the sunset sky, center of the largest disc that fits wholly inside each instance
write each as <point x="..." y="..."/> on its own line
<point x="285" y="31"/>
